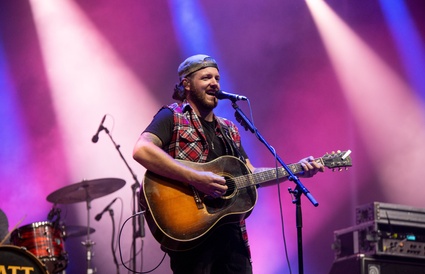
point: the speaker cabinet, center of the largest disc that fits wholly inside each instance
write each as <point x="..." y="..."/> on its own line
<point x="361" y="264"/>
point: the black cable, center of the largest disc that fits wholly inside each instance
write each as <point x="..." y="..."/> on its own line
<point x="120" y="252"/>
<point x="111" y="213"/>
<point x="285" y="247"/>
<point x="282" y="222"/>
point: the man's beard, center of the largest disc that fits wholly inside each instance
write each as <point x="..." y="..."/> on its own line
<point x="199" y="98"/>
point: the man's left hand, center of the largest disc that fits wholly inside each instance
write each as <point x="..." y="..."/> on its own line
<point x="310" y="167"/>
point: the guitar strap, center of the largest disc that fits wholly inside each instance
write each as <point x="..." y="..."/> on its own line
<point x="224" y="129"/>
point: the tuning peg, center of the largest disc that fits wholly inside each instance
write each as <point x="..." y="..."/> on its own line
<point x="346" y="154"/>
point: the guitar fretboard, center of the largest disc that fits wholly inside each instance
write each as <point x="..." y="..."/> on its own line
<point x="267" y="175"/>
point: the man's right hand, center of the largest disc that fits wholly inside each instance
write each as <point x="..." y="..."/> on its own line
<point x="209" y="183"/>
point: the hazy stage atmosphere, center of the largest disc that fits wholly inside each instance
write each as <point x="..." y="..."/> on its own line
<point x="320" y="76"/>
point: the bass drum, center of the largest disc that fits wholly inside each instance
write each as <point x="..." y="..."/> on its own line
<point x="14" y="259"/>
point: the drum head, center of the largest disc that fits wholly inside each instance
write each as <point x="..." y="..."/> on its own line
<point x="13" y="257"/>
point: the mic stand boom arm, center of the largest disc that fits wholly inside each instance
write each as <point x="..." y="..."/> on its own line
<point x="134" y="188"/>
<point x="300" y="188"/>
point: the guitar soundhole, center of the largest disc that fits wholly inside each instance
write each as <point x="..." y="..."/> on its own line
<point x="215" y="205"/>
<point x="231" y="188"/>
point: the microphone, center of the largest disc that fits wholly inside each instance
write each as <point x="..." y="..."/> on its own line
<point x="96" y="136"/>
<point x="51" y="214"/>
<point x="233" y="97"/>
<point x="99" y="216"/>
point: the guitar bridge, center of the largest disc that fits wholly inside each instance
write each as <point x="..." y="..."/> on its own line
<point x="198" y="200"/>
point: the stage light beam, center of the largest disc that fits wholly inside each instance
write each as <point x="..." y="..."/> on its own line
<point x="388" y="113"/>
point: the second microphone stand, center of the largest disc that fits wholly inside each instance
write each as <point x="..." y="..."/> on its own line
<point x="135" y="200"/>
<point x="300" y="188"/>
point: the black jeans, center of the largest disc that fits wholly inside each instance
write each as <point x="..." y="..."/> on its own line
<point x="224" y="252"/>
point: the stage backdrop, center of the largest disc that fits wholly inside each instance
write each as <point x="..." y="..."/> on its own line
<point x="320" y="77"/>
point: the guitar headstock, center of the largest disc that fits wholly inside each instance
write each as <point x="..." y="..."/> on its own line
<point x="337" y="159"/>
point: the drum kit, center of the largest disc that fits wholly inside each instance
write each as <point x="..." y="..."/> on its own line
<point x="39" y="248"/>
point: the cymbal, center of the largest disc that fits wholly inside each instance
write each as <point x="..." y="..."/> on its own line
<point x="86" y="190"/>
<point x="76" y="231"/>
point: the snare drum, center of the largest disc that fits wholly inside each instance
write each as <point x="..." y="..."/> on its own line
<point x="44" y="241"/>
<point x="15" y="259"/>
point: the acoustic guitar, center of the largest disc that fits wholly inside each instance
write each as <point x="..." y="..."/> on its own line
<point x="180" y="217"/>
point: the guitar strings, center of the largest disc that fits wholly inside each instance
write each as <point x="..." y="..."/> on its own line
<point x="248" y="180"/>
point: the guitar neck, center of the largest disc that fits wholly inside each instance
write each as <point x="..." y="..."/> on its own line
<point x="269" y="175"/>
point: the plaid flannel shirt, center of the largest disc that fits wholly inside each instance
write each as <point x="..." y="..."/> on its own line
<point x="189" y="141"/>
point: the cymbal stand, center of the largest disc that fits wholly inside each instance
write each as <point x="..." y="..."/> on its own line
<point x="88" y="243"/>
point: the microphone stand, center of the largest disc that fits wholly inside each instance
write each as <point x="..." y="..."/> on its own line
<point x="134" y="188"/>
<point x="300" y="189"/>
